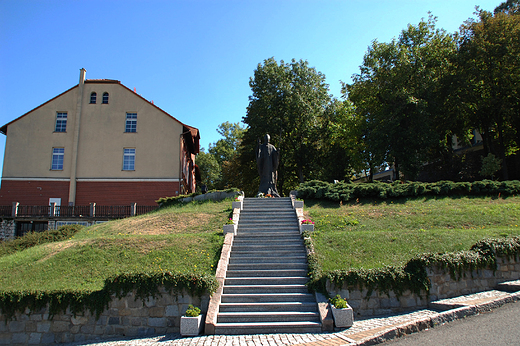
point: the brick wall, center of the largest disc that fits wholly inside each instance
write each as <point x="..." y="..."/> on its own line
<point x="124" y="193"/>
<point x="442" y="286"/>
<point x="125" y="317"/>
<point x="31" y="192"/>
<point x="101" y="193"/>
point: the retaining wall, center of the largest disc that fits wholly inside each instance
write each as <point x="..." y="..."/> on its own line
<point x="126" y="317"/>
<point x="442" y="286"/>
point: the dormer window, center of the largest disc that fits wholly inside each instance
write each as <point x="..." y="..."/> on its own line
<point x="105" y="98"/>
<point x="93" y="97"/>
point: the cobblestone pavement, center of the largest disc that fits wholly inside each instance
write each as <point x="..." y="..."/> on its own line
<point x="367" y="331"/>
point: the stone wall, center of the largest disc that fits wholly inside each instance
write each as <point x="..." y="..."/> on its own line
<point x="442" y="286"/>
<point x="126" y="317"/>
<point x="7" y="229"/>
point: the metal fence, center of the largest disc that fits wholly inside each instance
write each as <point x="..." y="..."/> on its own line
<point x="98" y="211"/>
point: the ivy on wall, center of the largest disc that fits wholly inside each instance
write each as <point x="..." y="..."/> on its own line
<point x="144" y="286"/>
<point x="413" y="276"/>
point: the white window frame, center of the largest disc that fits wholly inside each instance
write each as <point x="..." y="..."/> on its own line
<point x="128" y="159"/>
<point x="58" y="155"/>
<point x="93" y="97"/>
<point x="61" y="122"/>
<point x="131" y="122"/>
<point x="104" y="100"/>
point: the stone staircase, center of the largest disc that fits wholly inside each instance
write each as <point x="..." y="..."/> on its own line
<point x="264" y="290"/>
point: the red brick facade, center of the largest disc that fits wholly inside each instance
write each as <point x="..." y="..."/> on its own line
<point x="33" y="192"/>
<point x="101" y="193"/>
<point x="124" y="193"/>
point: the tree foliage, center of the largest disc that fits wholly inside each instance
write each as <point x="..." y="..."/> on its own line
<point x="489" y="72"/>
<point x="397" y="92"/>
<point x="287" y="102"/>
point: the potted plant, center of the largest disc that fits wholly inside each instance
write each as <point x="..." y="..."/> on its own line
<point x="191" y="322"/>
<point x="342" y="312"/>
<point x="307" y="225"/>
<point x="230" y="227"/>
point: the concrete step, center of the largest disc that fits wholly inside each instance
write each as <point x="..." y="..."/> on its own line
<point x="266" y="273"/>
<point x="252" y="239"/>
<point x="266" y="253"/>
<point x="243" y="289"/>
<point x="280" y="316"/>
<point x="269" y="228"/>
<point x="267" y="297"/>
<point x="267" y="266"/>
<point x="269" y="307"/>
<point x="251" y="259"/>
<point x="269" y="280"/>
<point x="267" y="328"/>
<point x="257" y="246"/>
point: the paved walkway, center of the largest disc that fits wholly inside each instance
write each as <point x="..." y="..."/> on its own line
<point x="364" y="332"/>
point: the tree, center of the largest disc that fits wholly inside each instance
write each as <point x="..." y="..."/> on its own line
<point x="209" y="169"/>
<point x="342" y="148"/>
<point x="224" y="152"/>
<point x="397" y="94"/>
<point x="224" y="149"/>
<point x="489" y="71"/>
<point x="287" y="102"/>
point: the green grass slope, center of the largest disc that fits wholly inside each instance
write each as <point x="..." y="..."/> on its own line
<point x="373" y="233"/>
<point x="179" y="239"/>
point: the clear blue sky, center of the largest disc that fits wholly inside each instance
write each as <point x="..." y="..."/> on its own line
<point x="193" y="58"/>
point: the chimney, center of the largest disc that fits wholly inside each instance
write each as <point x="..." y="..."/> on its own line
<point x="82" y="74"/>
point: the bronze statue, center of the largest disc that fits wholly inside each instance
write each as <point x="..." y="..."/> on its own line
<point x="267" y="159"/>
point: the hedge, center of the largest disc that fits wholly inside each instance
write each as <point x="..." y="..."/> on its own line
<point x="345" y="192"/>
<point x="36" y="238"/>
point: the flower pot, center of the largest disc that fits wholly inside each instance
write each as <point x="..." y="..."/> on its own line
<point x="191" y="326"/>
<point x="230" y="229"/>
<point x="307" y="227"/>
<point x="343" y="317"/>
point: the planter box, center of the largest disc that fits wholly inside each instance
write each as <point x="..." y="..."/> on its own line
<point x="230" y="229"/>
<point x="191" y="326"/>
<point x="343" y="317"/>
<point x="298" y="204"/>
<point x="307" y="227"/>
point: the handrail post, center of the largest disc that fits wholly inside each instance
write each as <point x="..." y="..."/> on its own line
<point x="14" y="211"/>
<point x="92" y="209"/>
<point x="133" y="209"/>
<point x="53" y="209"/>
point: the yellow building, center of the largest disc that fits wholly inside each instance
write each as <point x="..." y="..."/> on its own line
<point x="98" y="142"/>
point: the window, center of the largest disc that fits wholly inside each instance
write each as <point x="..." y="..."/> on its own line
<point x="105" y="98"/>
<point x="57" y="159"/>
<point x="61" y="122"/>
<point x="128" y="159"/>
<point x="131" y="122"/>
<point x="93" y="97"/>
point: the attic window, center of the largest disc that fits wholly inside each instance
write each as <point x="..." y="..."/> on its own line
<point x="105" y="98"/>
<point x="93" y="97"/>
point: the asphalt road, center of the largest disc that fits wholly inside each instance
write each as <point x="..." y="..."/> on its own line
<point x="499" y="327"/>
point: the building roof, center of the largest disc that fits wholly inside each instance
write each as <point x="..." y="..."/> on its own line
<point x="194" y="131"/>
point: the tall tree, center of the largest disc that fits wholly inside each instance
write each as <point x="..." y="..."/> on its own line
<point x="224" y="151"/>
<point x="489" y="70"/>
<point x="287" y="102"/>
<point x="209" y="168"/>
<point x="397" y="94"/>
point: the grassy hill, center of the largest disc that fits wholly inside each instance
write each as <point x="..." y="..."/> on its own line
<point x="375" y="233"/>
<point x="181" y="238"/>
<point x="188" y="238"/>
